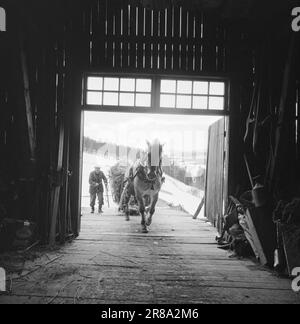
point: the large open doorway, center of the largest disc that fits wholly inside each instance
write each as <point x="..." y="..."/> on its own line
<point x="188" y="115"/>
<point x="193" y="159"/>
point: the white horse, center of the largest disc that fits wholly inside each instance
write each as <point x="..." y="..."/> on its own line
<point x="144" y="182"/>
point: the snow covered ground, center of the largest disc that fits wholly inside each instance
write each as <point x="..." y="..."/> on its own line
<point x="174" y="192"/>
<point x="177" y="194"/>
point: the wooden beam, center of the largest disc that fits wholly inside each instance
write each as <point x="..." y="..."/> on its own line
<point x="283" y="107"/>
<point x="55" y="195"/>
<point x="162" y="111"/>
<point x="28" y="107"/>
<point x="199" y="208"/>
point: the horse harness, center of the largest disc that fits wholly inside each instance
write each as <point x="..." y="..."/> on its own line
<point x="142" y="175"/>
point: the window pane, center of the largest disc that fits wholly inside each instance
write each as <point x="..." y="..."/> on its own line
<point x="201" y="88"/>
<point x="127" y="99"/>
<point x="217" y="88"/>
<point x="111" y="99"/>
<point x="143" y="85"/>
<point x="216" y="103"/>
<point x="200" y="102"/>
<point x="185" y="87"/>
<point x="168" y="86"/>
<point x="94" y="98"/>
<point x="143" y="100"/>
<point x="95" y="83"/>
<point x="127" y="85"/>
<point x="111" y="84"/>
<point x="167" y="101"/>
<point x="184" y="102"/>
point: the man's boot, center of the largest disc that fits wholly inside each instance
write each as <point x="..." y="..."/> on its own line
<point x="93" y="210"/>
<point x="100" y="210"/>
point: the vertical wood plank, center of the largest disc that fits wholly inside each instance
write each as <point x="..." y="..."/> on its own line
<point x="190" y="57"/>
<point x="199" y="42"/>
<point x="118" y="53"/>
<point x="215" y="173"/>
<point x="209" y="52"/>
<point x="148" y="57"/>
<point x="172" y="56"/>
<point x="97" y="36"/>
<point x="184" y="38"/>
<point x="140" y="25"/>
<point x="101" y="26"/>
<point x="86" y="33"/>
<point x="55" y="196"/>
<point x="109" y="59"/>
<point x="125" y="52"/>
<point x="162" y="39"/>
<point x="155" y="38"/>
<point x="27" y="103"/>
<point x="132" y="53"/>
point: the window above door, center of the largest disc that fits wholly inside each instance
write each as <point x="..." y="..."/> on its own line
<point x="111" y="92"/>
<point x="118" y="92"/>
<point x="204" y="95"/>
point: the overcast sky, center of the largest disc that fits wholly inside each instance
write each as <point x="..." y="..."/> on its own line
<point x="181" y="132"/>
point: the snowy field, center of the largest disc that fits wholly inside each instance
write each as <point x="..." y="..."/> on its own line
<point x="174" y="192"/>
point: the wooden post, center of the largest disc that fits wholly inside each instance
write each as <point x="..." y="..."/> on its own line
<point x="56" y="191"/>
<point x="206" y="174"/>
<point x="28" y="108"/>
<point x="199" y="208"/>
<point x="283" y="110"/>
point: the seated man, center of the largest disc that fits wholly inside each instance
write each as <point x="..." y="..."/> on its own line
<point x="96" y="188"/>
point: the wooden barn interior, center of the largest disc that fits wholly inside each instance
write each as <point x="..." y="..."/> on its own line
<point x="49" y="47"/>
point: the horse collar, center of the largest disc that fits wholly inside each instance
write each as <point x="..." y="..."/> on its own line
<point x="141" y="174"/>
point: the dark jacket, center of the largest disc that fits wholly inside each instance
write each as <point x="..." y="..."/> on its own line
<point x="97" y="179"/>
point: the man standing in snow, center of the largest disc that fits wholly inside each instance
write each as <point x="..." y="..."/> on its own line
<point x="96" y="180"/>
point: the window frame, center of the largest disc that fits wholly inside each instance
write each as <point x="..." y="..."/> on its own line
<point x="120" y="92"/>
<point x="155" y="94"/>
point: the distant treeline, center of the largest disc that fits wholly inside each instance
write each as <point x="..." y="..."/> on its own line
<point x="91" y="146"/>
<point x="119" y="152"/>
<point x="177" y="172"/>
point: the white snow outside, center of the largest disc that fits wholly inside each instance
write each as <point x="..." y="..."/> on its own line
<point x="174" y="192"/>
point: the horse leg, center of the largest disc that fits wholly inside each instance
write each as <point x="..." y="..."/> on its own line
<point x="147" y="202"/>
<point x="142" y="212"/>
<point x="152" y="209"/>
<point x="125" y="199"/>
<point x="127" y="213"/>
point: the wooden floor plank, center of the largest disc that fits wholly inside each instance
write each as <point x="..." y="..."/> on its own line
<point x="177" y="262"/>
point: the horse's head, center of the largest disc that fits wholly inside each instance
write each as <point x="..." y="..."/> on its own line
<point x="155" y="152"/>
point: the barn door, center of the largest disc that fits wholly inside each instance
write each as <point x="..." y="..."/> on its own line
<point x="216" y="173"/>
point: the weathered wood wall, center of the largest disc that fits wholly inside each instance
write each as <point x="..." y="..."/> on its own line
<point x="62" y="39"/>
<point x="131" y="37"/>
<point x="215" y="177"/>
<point x="40" y="171"/>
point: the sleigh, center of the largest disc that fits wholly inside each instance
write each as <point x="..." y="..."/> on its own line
<point x="119" y="184"/>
